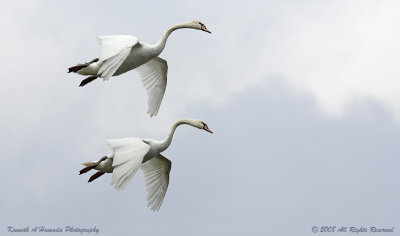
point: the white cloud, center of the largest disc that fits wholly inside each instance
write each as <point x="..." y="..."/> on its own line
<point x="343" y="52"/>
<point x="340" y="52"/>
<point x="49" y="125"/>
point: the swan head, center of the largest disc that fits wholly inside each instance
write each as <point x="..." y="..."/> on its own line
<point x="199" y="26"/>
<point x="201" y="125"/>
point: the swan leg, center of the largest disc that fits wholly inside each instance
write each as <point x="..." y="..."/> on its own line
<point x="87" y="80"/>
<point x="95" y="176"/>
<point x="81" y="66"/>
<point x="91" y="165"/>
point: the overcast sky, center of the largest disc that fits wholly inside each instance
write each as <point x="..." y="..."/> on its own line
<point x="303" y="98"/>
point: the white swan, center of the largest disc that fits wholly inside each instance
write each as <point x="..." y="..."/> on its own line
<point x="122" y="53"/>
<point x="129" y="154"/>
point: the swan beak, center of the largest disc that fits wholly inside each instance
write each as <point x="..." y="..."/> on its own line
<point x="207" y="129"/>
<point x="205" y="29"/>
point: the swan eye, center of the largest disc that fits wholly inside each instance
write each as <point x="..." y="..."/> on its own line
<point x="204" y="28"/>
<point x="205" y="127"/>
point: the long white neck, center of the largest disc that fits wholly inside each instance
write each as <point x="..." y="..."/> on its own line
<point x="167" y="141"/>
<point x="161" y="44"/>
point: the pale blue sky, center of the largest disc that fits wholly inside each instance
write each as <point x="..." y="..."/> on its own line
<point x="303" y="100"/>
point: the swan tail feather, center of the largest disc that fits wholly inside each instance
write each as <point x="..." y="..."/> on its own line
<point x="91" y="165"/>
<point x="79" y="67"/>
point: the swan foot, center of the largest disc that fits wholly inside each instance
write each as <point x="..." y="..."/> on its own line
<point x="87" y="80"/>
<point x="91" y="165"/>
<point x="81" y="66"/>
<point x="95" y="176"/>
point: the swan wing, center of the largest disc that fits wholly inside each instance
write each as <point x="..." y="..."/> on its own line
<point x="128" y="156"/>
<point x="156" y="175"/>
<point x="154" y="78"/>
<point x="114" y="49"/>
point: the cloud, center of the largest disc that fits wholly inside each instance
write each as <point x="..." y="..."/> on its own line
<point x="275" y="156"/>
<point x="259" y="81"/>
<point x="339" y="52"/>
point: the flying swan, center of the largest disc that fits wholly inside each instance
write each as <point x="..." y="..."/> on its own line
<point x="122" y="53"/>
<point x="129" y="154"/>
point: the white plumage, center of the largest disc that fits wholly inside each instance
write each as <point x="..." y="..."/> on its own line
<point x="129" y="154"/>
<point x="113" y="52"/>
<point x="122" y="53"/>
<point x="156" y="175"/>
<point x="154" y="78"/>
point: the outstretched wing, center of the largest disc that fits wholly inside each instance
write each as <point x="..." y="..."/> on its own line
<point x="128" y="156"/>
<point x="114" y="49"/>
<point x="154" y="78"/>
<point x="156" y="175"/>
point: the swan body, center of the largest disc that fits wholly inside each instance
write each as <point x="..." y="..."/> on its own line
<point x="122" y="53"/>
<point x="129" y="154"/>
